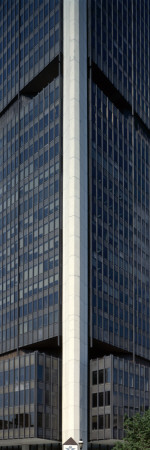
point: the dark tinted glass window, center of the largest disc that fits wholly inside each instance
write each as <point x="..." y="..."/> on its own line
<point x="101" y="420"/>
<point x="107" y="375"/>
<point x="107" y="420"/>
<point x="101" y="398"/>
<point x="94" y="377"/>
<point x="107" y="398"/>
<point x="94" y="400"/>
<point x="94" y="423"/>
<point x="101" y="376"/>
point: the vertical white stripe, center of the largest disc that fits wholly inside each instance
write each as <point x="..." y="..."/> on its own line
<point x="75" y="222"/>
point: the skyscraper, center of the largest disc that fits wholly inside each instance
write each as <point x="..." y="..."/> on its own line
<point x="74" y="220"/>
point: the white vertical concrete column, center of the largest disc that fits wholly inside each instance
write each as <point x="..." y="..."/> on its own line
<point x="75" y="223"/>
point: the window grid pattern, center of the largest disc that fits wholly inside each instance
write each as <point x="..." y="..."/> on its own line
<point x="130" y="392"/>
<point x="120" y="41"/>
<point x="30" y="220"/>
<point x="30" y="397"/>
<point x="128" y="384"/>
<point x="17" y="396"/>
<point x="100" y="398"/>
<point x="30" y="37"/>
<point x="120" y="228"/>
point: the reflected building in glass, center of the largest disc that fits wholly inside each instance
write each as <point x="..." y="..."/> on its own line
<point x="74" y="220"/>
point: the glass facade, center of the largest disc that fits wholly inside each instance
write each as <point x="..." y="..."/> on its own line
<point x="30" y="38"/>
<point x="119" y="218"/>
<point x="119" y="46"/>
<point x="119" y="182"/>
<point x="31" y="198"/>
<point x="120" y="228"/>
<point x="30" y="218"/>
<point x="119" y="387"/>
<point x="30" y="393"/>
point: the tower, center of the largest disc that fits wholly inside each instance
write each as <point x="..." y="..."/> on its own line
<point x="74" y="220"/>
